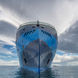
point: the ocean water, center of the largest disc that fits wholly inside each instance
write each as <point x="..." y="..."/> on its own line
<point x="55" y="72"/>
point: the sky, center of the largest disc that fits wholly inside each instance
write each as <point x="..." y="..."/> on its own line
<point x="62" y="14"/>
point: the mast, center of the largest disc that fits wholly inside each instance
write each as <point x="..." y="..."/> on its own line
<point x="37" y="23"/>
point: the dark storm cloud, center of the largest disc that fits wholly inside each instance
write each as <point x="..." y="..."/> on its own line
<point x="68" y="41"/>
<point x="56" y="12"/>
<point x="7" y="29"/>
<point x="27" y="8"/>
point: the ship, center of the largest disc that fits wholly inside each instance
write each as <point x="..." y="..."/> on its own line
<point x="36" y="44"/>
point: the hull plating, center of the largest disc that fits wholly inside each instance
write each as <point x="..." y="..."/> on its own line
<point x="36" y="48"/>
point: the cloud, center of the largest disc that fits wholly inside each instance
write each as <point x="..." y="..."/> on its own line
<point x="7" y="29"/>
<point x="8" y="55"/>
<point x="68" y="41"/>
<point x="60" y="13"/>
<point x="7" y="49"/>
<point x="66" y="59"/>
<point x="7" y="44"/>
<point x="9" y="63"/>
<point x="8" y="40"/>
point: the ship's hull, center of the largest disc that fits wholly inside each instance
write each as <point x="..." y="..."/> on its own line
<point x="36" y="47"/>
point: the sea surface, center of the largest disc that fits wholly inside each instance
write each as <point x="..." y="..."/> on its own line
<point x="55" y="72"/>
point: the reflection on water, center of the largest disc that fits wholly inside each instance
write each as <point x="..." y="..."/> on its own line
<point x="55" y="72"/>
<point x="27" y="74"/>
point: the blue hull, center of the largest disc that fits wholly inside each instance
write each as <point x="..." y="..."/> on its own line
<point x="36" y="47"/>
